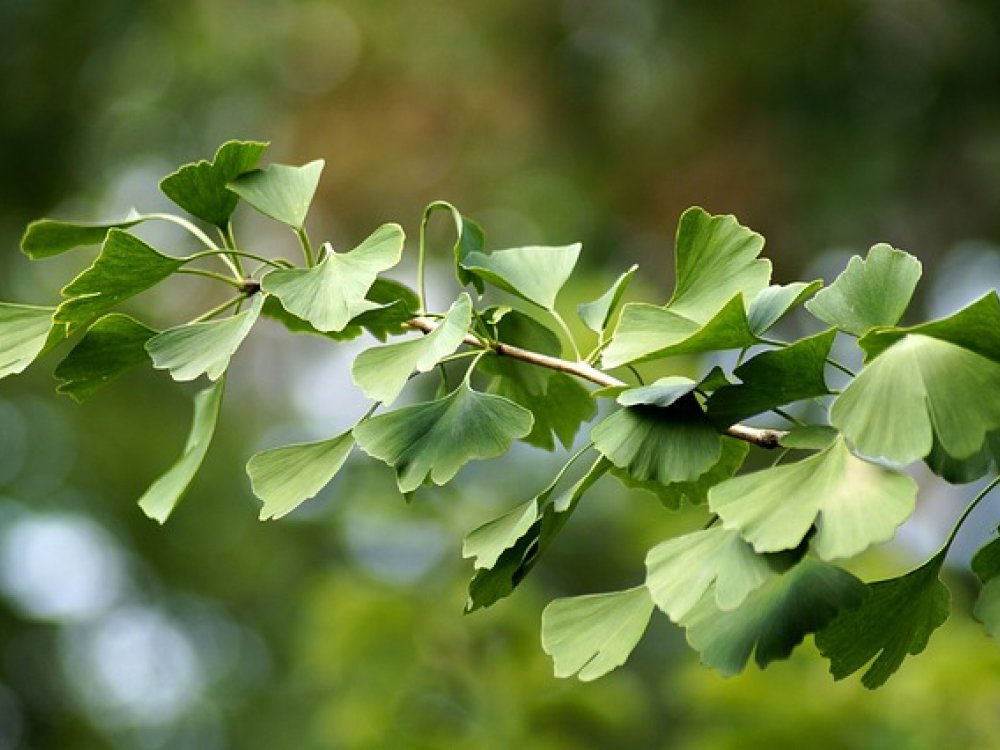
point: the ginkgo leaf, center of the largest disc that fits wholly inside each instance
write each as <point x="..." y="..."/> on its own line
<point x="205" y="348"/>
<point x="774" y="618"/>
<point x="965" y="470"/>
<point x="662" y="393"/>
<point x="591" y="635"/>
<point x="896" y="619"/>
<point x="470" y="239"/>
<point x="280" y="191"/>
<point x="200" y="187"/>
<point x="434" y="440"/>
<point x="679" y="571"/>
<point x="163" y="495"/>
<point x="918" y="391"/>
<point x="535" y="274"/>
<point x="675" y="444"/>
<point x="110" y="347"/>
<point x="869" y="293"/>
<point x="596" y="315"/>
<point x="334" y="291"/>
<point x="811" y="437"/>
<point x="382" y="371"/>
<point x="853" y="503"/>
<point x="986" y="566"/>
<point x="24" y="331"/>
<point x="774" y="378"/>
<point x="125" y="267"/>
<point x="48" y="237"/>
<point x="487" y="542"/>
<point x="774" y="302"/>
<point x="286" y="477"/>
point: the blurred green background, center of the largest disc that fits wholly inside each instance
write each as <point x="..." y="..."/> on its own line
<point x="826" y="126"/>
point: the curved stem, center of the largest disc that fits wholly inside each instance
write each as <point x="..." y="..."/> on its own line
<point x="968" y="510"/>
<point x="635" y="372"/>
<point x="788" y="417"/>
<point x="238" y="283"/>
<point x="307" y="250"/>
<point x="566" y="466"/>
<point x="219" y="310"/>
<point x="239" y="253"/>
<point x="567" y="333"/>
<point x="422" y="259"/>
<point x="230" y="244"/>
<point x="189" y="226"/>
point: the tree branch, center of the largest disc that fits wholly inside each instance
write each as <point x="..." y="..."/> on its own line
<point x="756" y="436"/>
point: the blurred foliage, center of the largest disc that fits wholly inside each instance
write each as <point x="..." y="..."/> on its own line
<point x="824" y="126"/>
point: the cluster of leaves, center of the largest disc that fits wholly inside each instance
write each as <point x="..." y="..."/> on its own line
<point x="761" y="575"/>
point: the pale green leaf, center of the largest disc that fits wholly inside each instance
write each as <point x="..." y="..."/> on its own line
<point x="286" y="477"/>
<point x="110" y="347"/>
<point x="335" y="290"/>
<point x="280" y="191"/>
<point x="163" y="495"/>
<point x="812" y="437"/>
<point x="596" y="315"/>
<point x="24" y="331"/>
<point x="853" y="503"/>
<point x="487" y="542"/>
<point x="774" y="302"/>
<point x="535" y="274"/>
<point x="869" y="293"/>
<point x="196" y="349"/>
<point x="432" y="441"/>
<point x="47" y="237"/>
<point x="591" y="635"/>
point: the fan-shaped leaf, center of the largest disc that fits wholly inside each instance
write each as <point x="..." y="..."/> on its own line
<point x="47" y="237"/>
<point x="662" y="393"/>
<point x="596" y="315"/>
<point x="774" y="302"/>
<point x="535" y="274"/>
<point x="280" y="191"/>
<point x="24" y="331"/>
<point x="111" y="346"/>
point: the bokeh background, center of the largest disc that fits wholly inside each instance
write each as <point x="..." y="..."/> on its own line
<point x="826" y="126"/>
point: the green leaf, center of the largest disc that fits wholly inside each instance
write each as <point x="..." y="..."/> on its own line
<point x="434" y="440"/>
<point x="676" y="444"/>
<point x="487" y="542"/>
<point x="110" y="347"/>
<point x="535" y="274"/>
<point x="695" y="492"/>
<point x="596" y="315"/>
<point x="774" y="378"/>
<point x="591" y="635"/>
<point x="470" y="239"/>
<point x="280" y="191"/>
<point x="853" y="503"/>
<point x="662" y="393"/>
<point x="200" y="188"/>
<point x="869" y="293"/>
<point x="163" y="495"/>
<point x="679" y="571"/>
<point x="196" y="349"/>
<point x="774" y="619"/>
<point x="646" y="332"/>
<point x="965" y="470"/>
<point x="48" y="237"/>
<point x="24" y="331"/>
<point x="125" y="267"/>
<point x="986" y="565"/>
<point x="286" y="477"/>
<point x="919" y="391"/>
<point x="382" y="371"/>
<point x="812" y="437"/>
<point x="774" y="302"/>
<point x="334" y="291"/>
<point x="896" y="619"/>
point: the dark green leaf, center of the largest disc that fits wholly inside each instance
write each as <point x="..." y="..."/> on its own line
<point x="662" y="393"/>
<point x="280" y="191"/>
<point x="965" y="470"/>
<point x="111" y="346"/>
<point x="986" y="565"/>
<point x="535" y="274"/>
<point x="813" y="437"/>
<point x="47" y="237"/>
<point x="24" y="331"/>
<point x="596" y="315"/>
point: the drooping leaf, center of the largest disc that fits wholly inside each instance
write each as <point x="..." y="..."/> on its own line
<point x="487" y="542"/>
<point x="382" y="371"/>
<point x="679" y="571"/>
<point x="869" y="293"/>
<point x="286" y="477"/>
<point x="205" y="348"/>
<point x="163" y="495"/>
<point x="853" y="503"/>
<point x="695" y="492"/>
<point x="896" y="619"/>
<point x="470" y="239"/>
<point x="986" y="565"/>
<point x="774" y="302"/>
<point x="535" y="274"/>
<point x="918" y="392"/>
<point x="48" y="237"/>
<point x="280" y="191"/>
<point x="110" y="347"/>
<point x="596" y="315"/>
<point x="774" y="619"/>
<point x="591" y="635"/>
<point x="434" y="440"/>
<point x="774" y="378"/>
<point x="965" y="470"/>
<point x="663" y="393"/>
<point x="125" y="267"/>
<point x="200" y="187"/>
<point x="24" y="331"/>
<point x="675" y="444"/>
<point x="335" y="290"/>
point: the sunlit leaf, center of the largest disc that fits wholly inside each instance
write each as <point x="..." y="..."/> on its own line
<point x="869" y="293"/>
<point x="591" y="635"/>
<point x="196" y="349"/>
<point x="24" y="331"/>
<point x="535" y="274"/>
<point x="335" y="290"/>
<point x="896" y="619"/>
<point x="280" y="191"/>
<point x="200" y="187"/>
<point x="853" y="503"/>
<point x="112" y="345"/>
<point x="596" y="315"/>
<point x="774" y="302"/>
<point x="432" y="441"/>
<point x="286" y="477"/>
<point x="163" y="495"/>
<point x="47" y="237"/>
